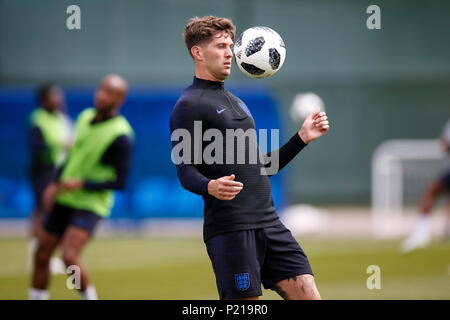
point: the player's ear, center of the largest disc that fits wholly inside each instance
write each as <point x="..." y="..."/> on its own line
<point x="197" y="53"/>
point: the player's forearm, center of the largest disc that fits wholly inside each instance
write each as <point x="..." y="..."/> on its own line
<point x="108" y="185"/>
<point x="192" y="180"/>
<point x="119" y="183"/>
<point x="75" y="184"/>
<point x="288" y="151"/>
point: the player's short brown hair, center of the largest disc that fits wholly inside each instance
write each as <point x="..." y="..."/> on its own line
<point x="201" y="30"/>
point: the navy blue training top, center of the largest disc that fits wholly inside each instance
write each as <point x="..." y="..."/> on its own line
<point x="217" y="108"/>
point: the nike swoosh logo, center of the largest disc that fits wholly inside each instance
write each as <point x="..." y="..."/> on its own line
<point x="220" y="111"/>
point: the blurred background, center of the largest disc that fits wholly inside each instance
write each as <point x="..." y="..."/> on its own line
<point x="376" y="85"/>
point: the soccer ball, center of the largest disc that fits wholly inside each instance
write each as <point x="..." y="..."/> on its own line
<point x="259" y="52"/>
<point x="304" y="104"/>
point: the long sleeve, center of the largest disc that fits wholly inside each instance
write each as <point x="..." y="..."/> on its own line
<point x="288" y="151"/>
<point x="119" y="155"/>
<point x="191" y="179"/>
<point x="39" y="149"/>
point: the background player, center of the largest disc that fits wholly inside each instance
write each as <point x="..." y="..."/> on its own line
<point x="421" y="235"/>
<point x="245" y="240"/>
<point x="50" y="141"/>
<point x="99" y="162"/>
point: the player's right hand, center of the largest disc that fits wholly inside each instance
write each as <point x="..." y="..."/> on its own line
<point x="224" y="188"/>
<point x="49" y="195"/>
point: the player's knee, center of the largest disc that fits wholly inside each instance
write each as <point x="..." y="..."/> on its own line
<point x="69" y="257"/>
<point x="42" y="255"/>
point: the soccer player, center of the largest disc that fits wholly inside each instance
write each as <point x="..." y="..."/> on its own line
<point x="98" y="163"/>
<point x="245" y="240"/>
<point x="50" y="141"/>
<point x="421" y="235"/>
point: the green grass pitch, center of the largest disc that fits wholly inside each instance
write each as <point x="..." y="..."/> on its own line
<point x="152" y="268"/>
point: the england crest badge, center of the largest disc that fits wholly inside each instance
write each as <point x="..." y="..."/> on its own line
<point x="242" y="281"/>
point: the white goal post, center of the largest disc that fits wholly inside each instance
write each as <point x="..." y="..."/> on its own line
<point x="392" y="163"/>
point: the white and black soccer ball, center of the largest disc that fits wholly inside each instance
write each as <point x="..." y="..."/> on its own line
<point x="259" y="52"/>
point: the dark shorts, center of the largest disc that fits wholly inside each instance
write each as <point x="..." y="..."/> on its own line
<point x="242" y="260"/>
<point x="61" y="217"/>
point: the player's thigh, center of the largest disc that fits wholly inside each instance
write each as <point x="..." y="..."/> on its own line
<point x="284" y="258"/>
<point x="235" y="263"/>
<point x="56" y="221"/>
<point x="80" y="228"/>
<point x="47" y="244"/>
<point x="73" y="241"/>
<point x="52" y="228"/>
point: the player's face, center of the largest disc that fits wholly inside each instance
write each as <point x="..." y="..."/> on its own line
<point x="106" y="97"/>
<point x="55" y="99"/>
<point x="218" y="55"/>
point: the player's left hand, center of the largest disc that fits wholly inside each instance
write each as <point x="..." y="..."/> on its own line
<point x="314" y="126"/>
<point x="71" y="185"/>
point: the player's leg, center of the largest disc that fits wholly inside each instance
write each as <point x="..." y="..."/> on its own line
<point x="430" y="195"/>
<point x="40" y="277"/>
<point x="36" y="222"/>
<point x="301" y="287"/>
<point x="73" y="242"/>
<point x="445" y="180"/>
<point x="53" y="226"/>
<point x="40" y="182"/>
<point x="77" y="235"/>
<point x="56" y="264"/>
<point x="35" y="230"/>
<point x="446" y="233"/>
<point x="234" y="258"/>
<point x="38" y="186"/>
<point x="286" y="268"/>
<point x="421" y="235"/>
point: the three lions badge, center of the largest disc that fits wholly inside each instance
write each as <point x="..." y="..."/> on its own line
<point x="242" y="281"/>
